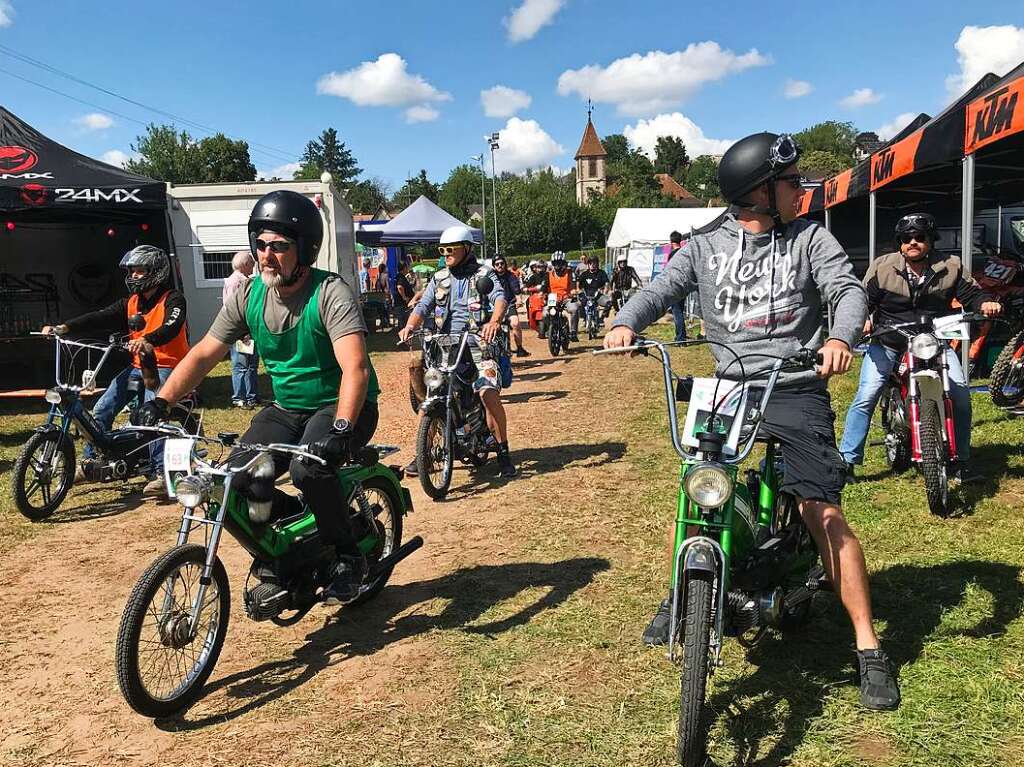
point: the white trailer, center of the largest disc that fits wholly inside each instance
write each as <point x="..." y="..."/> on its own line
<point x="208" y="226"/>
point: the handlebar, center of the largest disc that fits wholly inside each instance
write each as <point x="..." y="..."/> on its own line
<point x="170" y="430"/>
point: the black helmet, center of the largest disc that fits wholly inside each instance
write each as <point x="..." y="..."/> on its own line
<point x="150" y="258"/>
<point x="916" y="223"/>
<point x="292" y="215"/>
<point x="753" y="161"/>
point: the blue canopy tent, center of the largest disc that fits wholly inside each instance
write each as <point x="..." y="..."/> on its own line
<point x="420" y="223"/>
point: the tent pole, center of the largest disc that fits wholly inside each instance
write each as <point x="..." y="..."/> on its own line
<point x="999" y="227"/>
<point x="872" y="225"/>
<point x="828" y="219"/>
<point x="967" y="236"/>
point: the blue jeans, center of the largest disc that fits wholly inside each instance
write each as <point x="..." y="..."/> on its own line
<point x="244" y="369"/>
<point x="679" y="317"/>
<point x="112" y="402"/>
<point x="874" y="372"/>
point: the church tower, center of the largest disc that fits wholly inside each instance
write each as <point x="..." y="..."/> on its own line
<point x="590" y="161"/>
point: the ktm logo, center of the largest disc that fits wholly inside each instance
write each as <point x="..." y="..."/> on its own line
<point x="831" y="191"/>
<point x="996" y="115"/>
<point x="884" y="165"/>
<point x="34" y="194"/>
<point x="15" y="159"/>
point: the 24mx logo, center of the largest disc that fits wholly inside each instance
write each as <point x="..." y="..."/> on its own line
<point x="97" y="195"/>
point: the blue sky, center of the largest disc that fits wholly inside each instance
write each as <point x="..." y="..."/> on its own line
<point x="408" y="76"/>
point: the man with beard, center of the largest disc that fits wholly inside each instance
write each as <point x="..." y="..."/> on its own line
<point x="307" y="326"/>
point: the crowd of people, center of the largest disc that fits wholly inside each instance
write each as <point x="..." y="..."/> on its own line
<point x="307" y="327"/>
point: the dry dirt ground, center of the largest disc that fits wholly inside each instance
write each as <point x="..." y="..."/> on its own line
<point x="341" y="687"/>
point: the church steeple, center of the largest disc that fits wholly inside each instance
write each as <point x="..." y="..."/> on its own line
<point x="590" y="162"/>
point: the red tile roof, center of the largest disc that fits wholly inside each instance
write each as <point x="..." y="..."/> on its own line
<point x="672" y="188"/>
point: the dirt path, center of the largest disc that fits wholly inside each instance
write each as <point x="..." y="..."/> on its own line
<point x="274" y="688"/>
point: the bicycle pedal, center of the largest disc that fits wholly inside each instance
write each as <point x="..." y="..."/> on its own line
<point x="817" y="580"/>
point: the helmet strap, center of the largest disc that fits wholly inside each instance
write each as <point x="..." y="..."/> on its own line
<point x="297" y="272"/>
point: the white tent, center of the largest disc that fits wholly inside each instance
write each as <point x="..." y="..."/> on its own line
<point x="638" y="231"/>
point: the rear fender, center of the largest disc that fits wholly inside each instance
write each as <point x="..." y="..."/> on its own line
<point x="352" y="474"/>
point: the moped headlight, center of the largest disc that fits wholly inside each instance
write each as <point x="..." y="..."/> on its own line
<point x="924" y="346"/>
<point x="552" y="311"/>
<point x="708" y="485"/>
<point x="191" y="491"/>
<point x="433" y="378"/>
<point x="52" y="396"/>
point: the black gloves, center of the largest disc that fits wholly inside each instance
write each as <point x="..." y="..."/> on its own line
<point x="153" y="412"/>
<point x="334" y="447"/>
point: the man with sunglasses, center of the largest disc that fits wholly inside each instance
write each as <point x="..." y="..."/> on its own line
<point x="512" y="287"/>
<point x="763" y="276"/>
<point x="307" y="326"/>
<point x="453" y="300"/>
<point x="912" y="282"/>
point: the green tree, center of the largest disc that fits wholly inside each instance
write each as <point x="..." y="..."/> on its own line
<point x="328" y="154"/>
<point x="616" y="146"/>
<point x="670" y="156"/>
<point x="412" y="189"/>
<point x="367" y="196"/>
<point x="166" y="155"/>
<point x="829" y="136"/>
<point x="460" y="190"/>
<point x="224" y="159"/>
<point x="702" y="179"/>
<point x="538" y="213"/>
<point x="818" y="163"/>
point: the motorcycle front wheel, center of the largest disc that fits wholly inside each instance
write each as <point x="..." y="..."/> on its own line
<point x="555" y="341"/>
<point x="933" y="460"/>
<point x="43" y="474"/>
<point x="693" y="722"/>
<point x="161" y="668"/>
<point x="1006" y="383"/>
<point x="434" y="457"/>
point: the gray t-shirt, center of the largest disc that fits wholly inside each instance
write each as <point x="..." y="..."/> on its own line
<point x="338" y="306"/>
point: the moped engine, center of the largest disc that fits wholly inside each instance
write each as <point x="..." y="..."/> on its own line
<point x="96" y="470"/>
<point x="265" y="601"/>
<point x="750" y="611"/>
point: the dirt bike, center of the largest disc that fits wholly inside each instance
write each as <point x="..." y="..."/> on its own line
<point x="176" y="619"/>
<point x="743" y="561"/>
<point x="591" y="309"/>
<point x="917" y="408"/>
<point x="558" y="325"/>
<point x="45" y="469"/>
<point x="453" y="422"/>
<point x="1002" y="276"/>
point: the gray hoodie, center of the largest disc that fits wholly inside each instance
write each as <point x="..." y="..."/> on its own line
<point x="754" y="302"/>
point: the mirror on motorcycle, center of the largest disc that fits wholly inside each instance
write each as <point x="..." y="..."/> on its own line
<point x="484" y="285"/>
<point x="136" y="322"/>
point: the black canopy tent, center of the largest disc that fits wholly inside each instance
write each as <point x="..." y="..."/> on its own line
<point x="65" y="222"/>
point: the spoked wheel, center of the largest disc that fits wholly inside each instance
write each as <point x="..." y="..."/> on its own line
<point x="434" y="458"/>
<point x="386" y="510"/>
<point x="1006" y="384"/>
<point x="933" y="460"/>
<point x="161" y="666"/>
<point x="693" y="723"/>
<point x="894" y="424"/>
<point x="43" y="474"/>
<point x="555" y="341"/>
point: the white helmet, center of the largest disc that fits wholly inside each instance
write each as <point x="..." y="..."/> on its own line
<point x="557" y="256"/>
<point x="534" y="263"/>
<point x="456" y="234"/>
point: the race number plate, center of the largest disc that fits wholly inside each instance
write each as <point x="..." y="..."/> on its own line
<point x="552" y="299"/>
<point x="177" y="462"/>
<point x="951" y="328"/>
<point x="731" y="400"/>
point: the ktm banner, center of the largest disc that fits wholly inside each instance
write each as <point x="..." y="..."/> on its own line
<point x="894" y="161"/>
<point x="994" y="116"/>
<point x="837" y="188"/>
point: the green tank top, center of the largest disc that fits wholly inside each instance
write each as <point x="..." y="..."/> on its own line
<point x="301" y="362"/>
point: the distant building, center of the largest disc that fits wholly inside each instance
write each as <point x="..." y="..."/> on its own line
<point x="672" y="188"/>
<point x="865" y="145"/>
<point x="476" y="215"/>
<point x="590" y="165"/>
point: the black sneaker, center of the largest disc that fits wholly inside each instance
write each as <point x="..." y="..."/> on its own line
<point x="848" y="471"/>
<point x="574" y="338"/>
<point x="410" y="469"/>
<point x="506" y="468"/>
<point x="348" y="577"/>
<point x="878" y="688"/>
<point x="656" y="633"/>
<point x="541" y="336"/>
<point x="522" y="353"/>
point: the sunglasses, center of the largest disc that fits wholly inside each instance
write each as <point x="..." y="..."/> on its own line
<point x="793" y="179"/>
<point x="448" y="250"/>
<point x="276" y="247"/>
<point x="499" y="263"/>
<point x="922" y="239"/>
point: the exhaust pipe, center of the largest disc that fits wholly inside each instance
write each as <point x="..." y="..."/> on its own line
<point x="395" y="557"/>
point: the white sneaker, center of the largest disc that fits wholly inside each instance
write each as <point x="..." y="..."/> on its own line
<point x="155" y="488"/>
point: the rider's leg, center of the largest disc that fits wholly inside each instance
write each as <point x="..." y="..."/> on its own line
<point x="156" y="447"/>
<point x="573" y="310"/>
<point x="517" y="332"/>
<point x="497" y="422"/>
<point x="110" y="404"/>
<point x="679" y="318"/>
<point x="416" y="375"/>
<point x="961" y="394"/>
<point x="237" y="376"/>
<point x="874" y="371"/>
<point x="488" y="387"/>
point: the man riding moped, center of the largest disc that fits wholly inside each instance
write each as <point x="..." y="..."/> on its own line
<point x="762" y="275"/>
<point x="307" y="327"/>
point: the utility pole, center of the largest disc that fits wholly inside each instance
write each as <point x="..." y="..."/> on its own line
<point x="493" y="141"/>
<point x="483" y="199"/>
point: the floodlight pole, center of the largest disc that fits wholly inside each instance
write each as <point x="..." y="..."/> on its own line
<point x="483" y="200"/>
<point x="493" y="142"/>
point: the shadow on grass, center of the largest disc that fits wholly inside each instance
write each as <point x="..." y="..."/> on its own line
<point x="534" y="396"/>
<point x="992" y="462"/>
<point x="539" y="376"/>
<point x="796" y="672"/>
<point x="366" y="630"/>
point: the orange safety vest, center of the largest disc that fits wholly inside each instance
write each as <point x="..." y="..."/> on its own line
<point x="560" y="285"/>
<point x="171" y="353"/>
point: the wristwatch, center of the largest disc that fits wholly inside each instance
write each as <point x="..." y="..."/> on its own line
<point x="341" y="426"/>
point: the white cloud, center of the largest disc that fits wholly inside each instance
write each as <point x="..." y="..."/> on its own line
<point x="421" y="113"/>
<point x="527" y="20"/>
<point x="524" y="145"/>
<point x="644" y="135"/>
<point x="116" y="157"/>
<point x="794" y="89"/>
<point x="6" y="13"/>
<point x="502" y="101"/>
<point x="894" y="126"/>
<point x="284" y="172"/>
<point x="655" y="81"/>
<point x="94" y="121"/>
<point x="385" y="82"/>
<point x="860" y="98"/>
<point x="981" y="50"/>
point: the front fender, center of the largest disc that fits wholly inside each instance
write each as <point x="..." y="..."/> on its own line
<point x="700" y="558"/>
<point x="929" y="385"/>
<point x="433" y="406"/>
